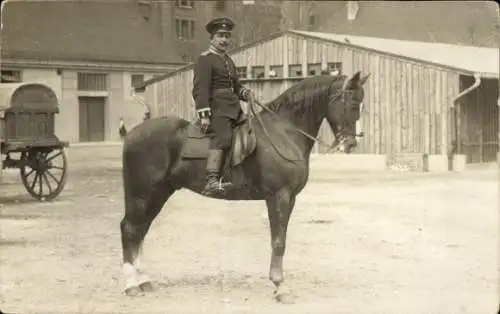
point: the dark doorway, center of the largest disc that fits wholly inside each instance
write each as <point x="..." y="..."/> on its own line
<point x="91" y="120"/>
<point x="478" y="121"/>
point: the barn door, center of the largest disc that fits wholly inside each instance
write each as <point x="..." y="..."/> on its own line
<point x="91" y="120"/>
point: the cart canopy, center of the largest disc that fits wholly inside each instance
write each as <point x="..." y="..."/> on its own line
<point x="27" y="96"/>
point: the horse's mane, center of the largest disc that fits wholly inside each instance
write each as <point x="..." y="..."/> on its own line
<point x="306" y="94"/>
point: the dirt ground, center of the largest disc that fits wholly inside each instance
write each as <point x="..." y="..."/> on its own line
<point x="381" y="242"/>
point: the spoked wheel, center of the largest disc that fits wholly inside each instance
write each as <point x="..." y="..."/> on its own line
<point x="44" y="173"/>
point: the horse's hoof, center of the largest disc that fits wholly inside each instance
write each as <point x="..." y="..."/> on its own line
<point x="284" y="298"/>
<point x="146" y="286"/>
<point x="133" y="291"/>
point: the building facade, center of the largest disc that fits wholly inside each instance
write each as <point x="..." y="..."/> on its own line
<point x="92" y="99"/>
<point x="88" y="59"/>
<point x="410" y="100"/>
<point x="182" y="22"/>
<point x="92" y="60"/>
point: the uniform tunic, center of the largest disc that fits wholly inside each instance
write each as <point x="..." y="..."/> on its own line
<point x="216" y="89"/>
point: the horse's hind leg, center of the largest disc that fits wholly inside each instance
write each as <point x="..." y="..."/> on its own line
<point x="279" y="208"/>
<point x="139" y="214"/>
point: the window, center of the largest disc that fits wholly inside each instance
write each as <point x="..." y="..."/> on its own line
<point x="185" y="29"/>
<point x="335" y="68"/>
<point x="241" y="72"/>
<point x="137" y="80"/>
<point x="295" y="70"/>
<point x="313" y="20"/>
<point x="188" y="4"/>
<point x="220" y="5"/>
<point x="11" y="76"/>
<point x="92" y="81"/>
<point x="258" y="72"/>
<point x="276" y="71"/>
<point x="314" y="69"/>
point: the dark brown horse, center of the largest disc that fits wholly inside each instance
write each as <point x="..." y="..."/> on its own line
<point x="276" y="170"/>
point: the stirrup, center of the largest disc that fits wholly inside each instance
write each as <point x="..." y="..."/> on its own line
<point x="223" y="185"/>
<point x="217" y="188"/>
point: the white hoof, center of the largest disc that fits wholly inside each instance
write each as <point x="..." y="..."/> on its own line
<point x="133" y="291"/>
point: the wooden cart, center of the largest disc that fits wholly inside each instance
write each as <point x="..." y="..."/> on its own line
<point x="28" y="141"/>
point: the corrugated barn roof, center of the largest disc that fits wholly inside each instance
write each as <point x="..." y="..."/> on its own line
<point x="482" y="60"/>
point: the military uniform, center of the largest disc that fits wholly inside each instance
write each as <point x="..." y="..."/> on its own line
<point x="217" y="93"/>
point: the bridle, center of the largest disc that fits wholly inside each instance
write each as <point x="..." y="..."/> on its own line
<point x="339" y="132"/>
<point x="342" y="133"/>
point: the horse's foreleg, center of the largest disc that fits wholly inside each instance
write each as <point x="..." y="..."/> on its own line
<point x="279" y="208"/>
<point x="134" y="226"/>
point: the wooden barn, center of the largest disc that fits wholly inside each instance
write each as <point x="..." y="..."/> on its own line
<point x="437" y="99"/>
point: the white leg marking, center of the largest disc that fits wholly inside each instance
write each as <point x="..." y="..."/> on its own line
<point x="141" y="276"/>
<point x="139" y="266"/>
<point x="130" y="273"/>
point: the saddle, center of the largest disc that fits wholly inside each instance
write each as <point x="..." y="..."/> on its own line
<point x="197" y="143"/>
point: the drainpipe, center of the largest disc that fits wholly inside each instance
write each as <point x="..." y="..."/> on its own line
<point x="452" y="148"/>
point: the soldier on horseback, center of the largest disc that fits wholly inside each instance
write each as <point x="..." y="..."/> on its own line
<point x="217" y="93"/>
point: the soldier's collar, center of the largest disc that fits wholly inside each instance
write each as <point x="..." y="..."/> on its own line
<point x="213" y="50"/>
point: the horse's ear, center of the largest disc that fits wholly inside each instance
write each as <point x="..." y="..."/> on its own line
<point x="352" y="82"/>
<point x="363" y="80"/>
<point x="356" y="76"/>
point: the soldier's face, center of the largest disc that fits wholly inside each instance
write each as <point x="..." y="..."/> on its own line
<point x="221" y="40"/>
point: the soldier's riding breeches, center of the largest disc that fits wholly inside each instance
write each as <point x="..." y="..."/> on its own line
<point x="223" y="128"/>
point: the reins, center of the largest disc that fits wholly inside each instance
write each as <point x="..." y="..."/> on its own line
<point x="252" y="102"/>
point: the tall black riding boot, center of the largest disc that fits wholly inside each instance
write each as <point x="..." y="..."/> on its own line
<point x="214" y="163"/>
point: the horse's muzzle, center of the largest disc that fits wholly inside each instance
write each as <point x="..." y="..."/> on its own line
<point x="345" y="145"/>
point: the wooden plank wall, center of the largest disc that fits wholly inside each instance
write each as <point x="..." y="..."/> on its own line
<point x="406" y="103"/>
<point x="172" y="96"/>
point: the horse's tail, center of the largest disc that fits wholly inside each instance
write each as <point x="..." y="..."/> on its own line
<point x="127" y="173"/>
<point x="150" y="151"/>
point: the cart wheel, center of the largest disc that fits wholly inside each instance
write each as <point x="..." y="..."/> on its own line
<point x="44" y="173"/>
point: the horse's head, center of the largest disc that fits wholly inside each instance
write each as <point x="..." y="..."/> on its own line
<point x="344" y="111"/>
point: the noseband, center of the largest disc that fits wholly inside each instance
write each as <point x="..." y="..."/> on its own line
<point x="342" y="132"/>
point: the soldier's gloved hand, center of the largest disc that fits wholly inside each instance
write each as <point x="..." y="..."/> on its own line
<point x="248" y="95"/>
<point x="204" y="124"/>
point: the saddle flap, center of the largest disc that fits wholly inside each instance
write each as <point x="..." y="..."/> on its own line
<point x="197" y="143"/>
<point x="244" y="142"/>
